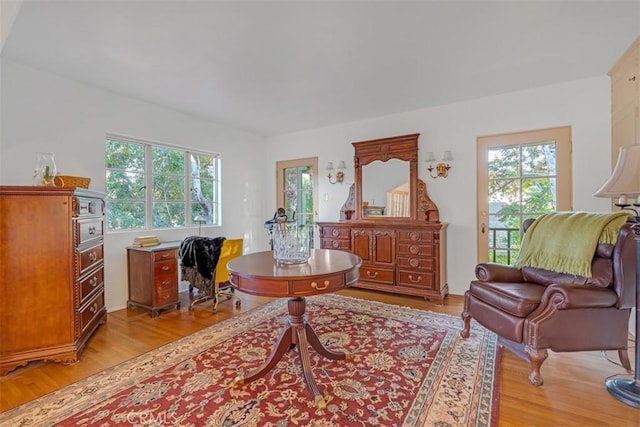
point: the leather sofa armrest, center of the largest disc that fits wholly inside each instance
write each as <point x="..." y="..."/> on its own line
<point x="492" y="272"/>
<point x="568" y="296"/>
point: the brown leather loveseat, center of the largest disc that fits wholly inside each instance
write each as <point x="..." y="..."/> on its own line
<point x="533" y="310"/>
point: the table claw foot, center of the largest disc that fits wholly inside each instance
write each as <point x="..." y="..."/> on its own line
<point x="238" y="381"/>
<point x="320" y="402"/>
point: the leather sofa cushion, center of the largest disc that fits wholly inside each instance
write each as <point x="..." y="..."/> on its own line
<point x="601" y="271"/>
<point x="517" y="299"/>
<point x="604" y="250"/>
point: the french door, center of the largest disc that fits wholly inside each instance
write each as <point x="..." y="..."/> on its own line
<point x="297" y="189"/>
<point x="520" y="175"/>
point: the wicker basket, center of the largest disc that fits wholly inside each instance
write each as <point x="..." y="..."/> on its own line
<point x="71" y="181"/>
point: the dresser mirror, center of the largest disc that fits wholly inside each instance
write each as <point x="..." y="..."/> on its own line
<point x="386" y="178"/>
<point x="385" y="188"/>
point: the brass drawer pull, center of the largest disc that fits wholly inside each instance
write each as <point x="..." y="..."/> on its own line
<point x="166" y="297"/>
<point x="94" y="308"/>
<point x="92" y="230"/>
<point x="92" y="256"/>
<point x="93" y="281"/>
<point x="165" y="255"/>
<point x="418" y="280"/>
<point x="165" y="283"/>
<point x="373" y="276"/>
<point x="165" y="267"/>
<point x="315" y="286"/>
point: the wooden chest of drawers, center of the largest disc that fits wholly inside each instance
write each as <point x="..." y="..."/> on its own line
<point x="51" y="273"/>
<point x="153" y="277"/>
<point x="403" y="257"/>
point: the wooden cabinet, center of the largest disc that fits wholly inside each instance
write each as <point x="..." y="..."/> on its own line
<point x="51" y="273"/>
<point x="153" y="277"/>
<point x="625" y="101"/>
<point x="403" y="257"/>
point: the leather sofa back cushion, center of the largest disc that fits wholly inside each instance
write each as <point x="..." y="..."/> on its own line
<point x="601" y="271"/>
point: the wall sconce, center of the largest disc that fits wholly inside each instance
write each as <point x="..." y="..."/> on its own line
<point x="442" y="168"/>
<point x="339" y="177"/>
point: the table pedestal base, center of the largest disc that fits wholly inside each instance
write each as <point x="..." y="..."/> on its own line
<point x="298" y="333"/>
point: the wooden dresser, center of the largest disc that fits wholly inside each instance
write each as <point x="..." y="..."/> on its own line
<point x="51" y="273"/>
<point x="400" y="257"/>
<point x="153" y="277"/>
<point x="400" y="254"/>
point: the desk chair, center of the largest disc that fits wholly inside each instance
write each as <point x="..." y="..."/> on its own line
<point x="211" y="279"/>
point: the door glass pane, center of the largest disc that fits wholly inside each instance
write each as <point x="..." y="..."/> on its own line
<point x="299" y="193"/>
<point x="504" y="162"/>
<point x="521" y="184"/>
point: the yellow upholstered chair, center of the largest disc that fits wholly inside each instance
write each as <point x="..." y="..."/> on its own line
<point x="231" y="248"/>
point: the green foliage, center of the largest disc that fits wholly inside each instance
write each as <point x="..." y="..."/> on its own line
<point x="127" y="186"/>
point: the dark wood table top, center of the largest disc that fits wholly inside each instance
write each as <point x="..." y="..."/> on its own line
<point x="326" y="271"/>
<point x="321" y="262"/>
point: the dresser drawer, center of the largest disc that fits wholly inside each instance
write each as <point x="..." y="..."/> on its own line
<point x="85" y="206"/>
<point x="415" y="249"/>
<point x="311" y="287"/>
<point x="343" y="245"/>
<point x="162" y="282"/>
<point x="414" y="263"/>
<point x="379" y="275"/>
<point x="164" y="255"/>
<point x="415" y="279"/>
<point x="90" y="283"/>
<point x="88" y="229"/>
<point x="165" y="295"/>
<point x="165" y="268"/>
<point x="87" y="258"/>
<point x="420" y="236"/>
<point x="89" y="312"/>
<point x="336" y="232"/>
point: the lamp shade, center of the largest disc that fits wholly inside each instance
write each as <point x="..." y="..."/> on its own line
<point x="430" y="157"/>
<point x="625" y="179"/>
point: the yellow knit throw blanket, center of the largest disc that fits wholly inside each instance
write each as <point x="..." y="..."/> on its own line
<point x="566" y="241"/>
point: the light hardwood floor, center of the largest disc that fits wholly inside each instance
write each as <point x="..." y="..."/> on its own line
<point x="573" y="394"/>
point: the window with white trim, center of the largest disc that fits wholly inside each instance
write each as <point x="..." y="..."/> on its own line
<point x="158" y="186"/>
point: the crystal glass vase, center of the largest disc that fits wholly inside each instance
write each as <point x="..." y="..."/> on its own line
<point x="45" y="171"/>
<point x="291" y="243"/>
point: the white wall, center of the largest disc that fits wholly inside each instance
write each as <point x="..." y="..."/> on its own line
<point x="584" y="105"/>
<point x="44" y="112"/>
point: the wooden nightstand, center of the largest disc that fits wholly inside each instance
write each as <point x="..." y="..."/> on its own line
<point x="153" y="277"/>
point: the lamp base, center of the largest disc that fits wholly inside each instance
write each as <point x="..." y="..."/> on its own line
<point x="625" y="390"/>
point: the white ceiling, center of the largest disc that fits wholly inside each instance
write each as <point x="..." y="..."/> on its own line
<point x="277" y="67"/>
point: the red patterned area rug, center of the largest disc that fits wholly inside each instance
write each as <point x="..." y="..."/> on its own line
<point x="410" y="368"/>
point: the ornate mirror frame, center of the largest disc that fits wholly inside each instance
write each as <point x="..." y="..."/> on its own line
<point x="403" y="148"/>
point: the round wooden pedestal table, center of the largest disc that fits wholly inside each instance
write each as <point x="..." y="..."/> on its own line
<point x="326" y="271"/>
